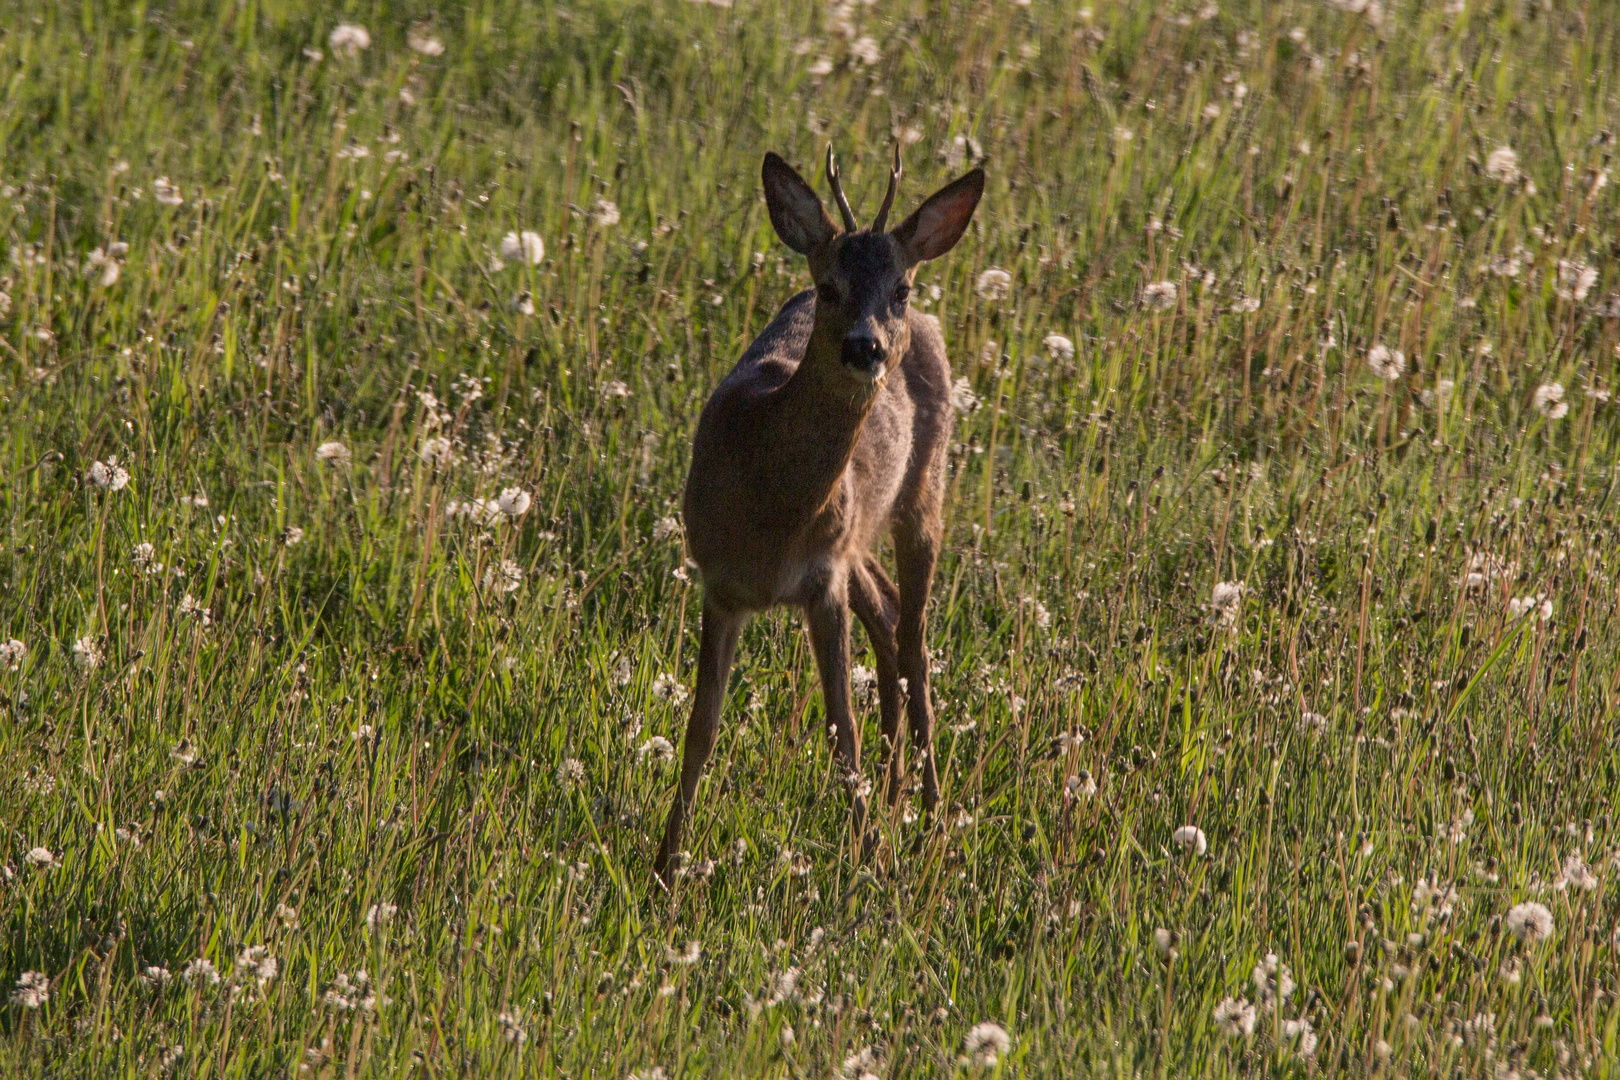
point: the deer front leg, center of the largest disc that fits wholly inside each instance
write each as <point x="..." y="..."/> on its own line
<point x="876" y="602"/>
<point x="716" y="650"/>
<point x="916" y="549"/>
<point x="828" y="618"/>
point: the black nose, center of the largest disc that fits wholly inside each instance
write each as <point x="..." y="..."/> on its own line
<point x="862" y="351"/>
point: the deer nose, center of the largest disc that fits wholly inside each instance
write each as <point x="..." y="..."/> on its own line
<point x="862" y="351"/>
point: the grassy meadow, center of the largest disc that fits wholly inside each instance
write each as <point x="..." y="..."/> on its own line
<point x="346" y="635"/>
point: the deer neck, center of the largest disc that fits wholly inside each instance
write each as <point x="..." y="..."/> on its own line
<point x="815" y="421"/>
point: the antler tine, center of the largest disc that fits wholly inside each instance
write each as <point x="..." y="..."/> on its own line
<point x="882" y="218"/>
<point x="850" y="224"/>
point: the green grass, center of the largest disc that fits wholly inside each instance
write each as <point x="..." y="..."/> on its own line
<point x="364" y="718"/>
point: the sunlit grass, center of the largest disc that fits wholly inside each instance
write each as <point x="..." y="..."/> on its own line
<point x="318" y="692"/>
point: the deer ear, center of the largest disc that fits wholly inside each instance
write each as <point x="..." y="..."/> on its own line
<point x="936" y="225"/>
<point x="800" y="219"/>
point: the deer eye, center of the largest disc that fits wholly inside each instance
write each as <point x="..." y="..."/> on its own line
<point x="827" y="293"/>
<point x="902" y="293"/>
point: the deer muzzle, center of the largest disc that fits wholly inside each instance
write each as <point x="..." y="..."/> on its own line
<point x="864" y="352"/>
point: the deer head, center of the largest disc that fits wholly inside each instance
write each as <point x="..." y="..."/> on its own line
<point x="863" y="276"/>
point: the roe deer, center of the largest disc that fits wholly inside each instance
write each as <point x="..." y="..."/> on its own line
<point x="831" y="429"/>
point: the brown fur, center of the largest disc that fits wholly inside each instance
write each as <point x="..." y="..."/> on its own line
<point x="831" y="430"/>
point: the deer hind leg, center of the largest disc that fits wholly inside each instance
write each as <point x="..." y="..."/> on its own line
<point x="876" y="602"/>
<point x="916" y="549"/>
<point x="717" y="648"/>
<point x="828" y="619"/>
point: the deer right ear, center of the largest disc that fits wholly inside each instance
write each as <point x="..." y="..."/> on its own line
<point x="800" y="219"/>
<point x="936" y="225"/>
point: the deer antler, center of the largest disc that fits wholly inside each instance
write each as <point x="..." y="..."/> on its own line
<point x="850" y="224"/>
<point x="888" y="200"/>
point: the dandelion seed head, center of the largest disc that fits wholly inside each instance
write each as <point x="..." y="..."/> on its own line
<point x="993" y="284"/>
<point x="525" y="246"/>
<point x="1386" y="363"/>
<point x="32" y="990"/>
<point x="1191" y="839"/>
<point x="1530" y="922"/>
<point x="1159" y="296"/>
<point x="347" y="39"/>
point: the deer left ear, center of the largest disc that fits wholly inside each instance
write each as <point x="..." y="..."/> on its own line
<point x="936" y="225"/>
<point x="796" y="213"/>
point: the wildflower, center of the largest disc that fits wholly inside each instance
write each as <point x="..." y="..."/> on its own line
<point x="1059" y="347"/>
<point x="107" y="475"/>
<point x="1081" y="785"/>
<point x="864" y="681"/>
<point x="657" y="747"/>
<point x="1226" y="599"/>
<point x="1246" y="305"/>
<point x="438" y="451"/>
<point x="1273" y="982"/>
<point x="1234" y="1017"/>
<point x="963" y="399"/>
<point x="143" y="555"/>
<point x="606" y="215"/>
<point x="1159" y="296"/>
<point x="1502" y="164"/>
<point x="1164" y="943"/>
<point x="191" y="606"/>
<point x="183" y="752"/>
<point x="993" y="284"/>
<point x="12" y="653"/>
<point x="1304" y="1037"/>
<point x="505" y="576"/>
<point x="1212" y="111"/>
<point x="334" y="452"/>
<point x="294" y="536"/>
<point x="512" y="1029"/>
<point x="1530" y="922"/>
<point x="166" y="193"/>
<point x="865" y="49"/>
<point x="86" y="653"/>
<point x="985" y="1043"/>
<point x="1190" y="838"/>
<point x="351" y="993"/>
<point x="1549" y="401"/>
<point x="99" y="259"/>
<point x="570" y="771"/>
<point x="686" y="958"/>
<point x="155" y="977"/>
<point x="41" y="858"/>
<point x="348" y="39"/>
<point x="1576" y="873"/>
<point x="668" y="688"/>
<point x="514" y="502"/>
<point x="666" y="528"/>
<point x="256" y="962"/>
<point x="33" y="990"/>
<point x="422" y="42"/>
<point x="1575" y="279"/>
<point x="380" y="915"/>
<point x="1386" y="363"/>
<point x="1520" y="606"/>
<point x="859" y="1065"/>
<point x="200" y="972"/>
<point x="287" y="915"/>
<point x="524" y="245"/>
<point x="821" y="67"/>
